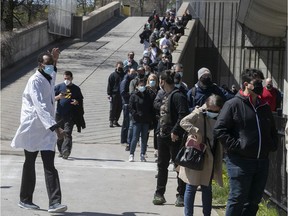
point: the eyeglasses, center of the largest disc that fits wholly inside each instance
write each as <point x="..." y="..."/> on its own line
<point x="212" y="111"/>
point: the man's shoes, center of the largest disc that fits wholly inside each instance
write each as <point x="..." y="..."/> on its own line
<point x="111" y="124"/>
<point x="127" y="148"/>
<point x="158" y="199"/>
<point x="60" y="155"/>
<point x="56" y="208"/>
<point x="179" y="201"/>
<point x="65" y="154"/>
<point x="142" y="158"/>
<point x="131" y="158"/>
<point x="28" y="205"/>
<point x="115" y="123"/>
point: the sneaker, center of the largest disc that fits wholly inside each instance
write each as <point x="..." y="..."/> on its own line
<point x="158" y="199"/>
<point x="142" y="158"/>
<point x="131" y="158"/>
<point x="127" y="148"/>
<point x="57" y="208"/>
<point x="60" y="155"/>
<point x="28" y="205"/>
<point x="111" y="124"/>
<point x="115" y="123"/>
<point x="65" y="154"/>
<point x="156" y="153"/>
<point x="179" y="201"/>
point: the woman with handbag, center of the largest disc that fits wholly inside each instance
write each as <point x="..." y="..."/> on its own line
<point x="199" y="126"/>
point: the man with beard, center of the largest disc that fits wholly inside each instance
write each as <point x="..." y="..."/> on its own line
<point x="198" y="94"/>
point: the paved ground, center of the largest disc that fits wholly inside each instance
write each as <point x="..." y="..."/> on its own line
<point x="97" y="179"/>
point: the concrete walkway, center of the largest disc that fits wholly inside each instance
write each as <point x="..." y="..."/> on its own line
<point x="97" y="179"/>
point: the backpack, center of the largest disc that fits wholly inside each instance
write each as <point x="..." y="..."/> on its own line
<point x="166" y="120"/>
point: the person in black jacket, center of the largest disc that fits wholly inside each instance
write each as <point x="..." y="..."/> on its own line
<point x="174" y="107"/>
<point x="69" y="108"/>
<point x="246" y="128"/>
<point x="113" y="91"/>
<point x="126" y="130"/>
<point x="141" y="109"/>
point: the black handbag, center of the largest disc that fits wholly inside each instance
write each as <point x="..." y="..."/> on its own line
<point x="191" y="157"/>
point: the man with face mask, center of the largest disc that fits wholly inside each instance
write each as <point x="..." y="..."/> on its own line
<point x="246" y="129"/>
<point x="69" y="103"/>
<point x="140" y="75"/>
<point x="36" y="133"/>
<point x="271" y="95"/>
<point x="113" y="92"/>
<point x="198" y="94"/>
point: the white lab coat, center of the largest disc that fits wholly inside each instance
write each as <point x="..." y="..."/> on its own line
<point x="37" y="115"/>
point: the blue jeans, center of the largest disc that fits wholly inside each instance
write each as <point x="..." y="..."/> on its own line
<point x="139" y="128"/>
<point x="247" y="180"/>
<point x="130" y="130"/>
<point x="189" y="198"/>
<point x="125" y="124"/>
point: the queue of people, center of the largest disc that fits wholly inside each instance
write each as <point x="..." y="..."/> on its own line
<point x="153" y="96"/>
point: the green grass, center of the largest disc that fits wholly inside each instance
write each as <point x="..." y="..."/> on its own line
<point x="220" y="197"/>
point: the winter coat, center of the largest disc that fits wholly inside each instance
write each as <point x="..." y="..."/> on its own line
<point x="141" y="107"/>
<point x="37" y="115"/>
<point x="244" y="130"/>
<point x="194" y="123"/>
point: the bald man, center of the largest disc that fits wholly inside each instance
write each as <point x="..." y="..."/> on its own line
<point x="271" y="95"/>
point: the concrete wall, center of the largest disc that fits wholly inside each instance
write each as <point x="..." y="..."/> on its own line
<point x="17" y="45"/>
<point x="185" y="50"/>
<point x="100" y="15"/>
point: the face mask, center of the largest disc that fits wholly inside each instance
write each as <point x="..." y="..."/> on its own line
<point x="181" y="73"/>
<point x="269" y="86"/>
<point x="165" y="50"/>
<point x="67" y="82"/>
<point x="48" y="69"/>
<point x="152" y="83"/>
<point x="132" y="76"/>
<point x="141" y="75"/>
<point x="258" y="87"/>
<point x="177" y="85"/>
<point x="120" y="69"/>
<point x="141" y="88"/>
<point x="206" y="81"/>
<point x="211" y="115"/>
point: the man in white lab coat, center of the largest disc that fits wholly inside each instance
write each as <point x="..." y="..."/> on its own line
<point x="37" y="133"/>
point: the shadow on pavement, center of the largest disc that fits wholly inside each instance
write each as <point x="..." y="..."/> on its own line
<point x="95" y="159"/>
<point x="105" y="214"/>
<point x="28" y="63"/>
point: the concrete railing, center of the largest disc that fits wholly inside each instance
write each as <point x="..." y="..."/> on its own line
<point x="17" y="45"/>
<point x="100" y="15"/>
<point x="185" y="51"/>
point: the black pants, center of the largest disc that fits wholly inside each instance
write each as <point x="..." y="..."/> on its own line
<point x="115" y="108"/>
<point x="29" y="177"/>
<point x="167" y="150"/>
<point x="66" y="124"/>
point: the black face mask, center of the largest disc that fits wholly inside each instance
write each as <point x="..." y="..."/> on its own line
<point x="120" y="70"/>
<point x="141" y="76"/>
<point x="206" y="81"/>
<point x="258" y="87"/>
<point x="269" y="86"/>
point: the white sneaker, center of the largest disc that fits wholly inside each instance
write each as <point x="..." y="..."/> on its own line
<point x="131" y="158"/>
<point x="142" y="158"/>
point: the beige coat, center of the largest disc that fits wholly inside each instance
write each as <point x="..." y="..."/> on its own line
<point x="194" y="123"/>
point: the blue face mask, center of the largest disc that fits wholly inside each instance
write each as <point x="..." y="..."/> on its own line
<point x="177" y="85"/>
<point x="48" y="69"/>
<point x="211" y="115"/>
<point x="141" y="88"/>
<point x="152" y="83"/>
